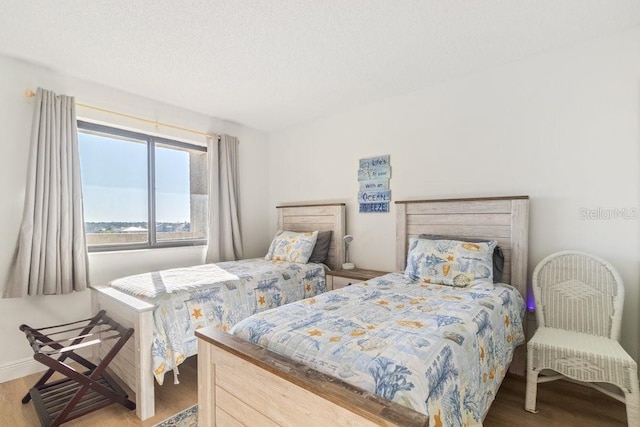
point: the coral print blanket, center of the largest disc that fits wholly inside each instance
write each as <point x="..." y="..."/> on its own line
<point x="216" y="295"/>
<point x="440" y="350"/>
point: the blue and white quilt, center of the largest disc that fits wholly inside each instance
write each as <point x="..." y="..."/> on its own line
<point x="439" y="350"/>
<point x="218" y="295"/>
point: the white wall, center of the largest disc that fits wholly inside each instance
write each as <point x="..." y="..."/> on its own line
<point x="562" y="127"/>
<point x="15" y="121"/>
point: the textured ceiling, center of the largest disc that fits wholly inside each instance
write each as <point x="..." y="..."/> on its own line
<point x="272" y="64"/>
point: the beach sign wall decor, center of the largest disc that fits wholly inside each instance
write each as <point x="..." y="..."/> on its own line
<point x="373" y="175"/>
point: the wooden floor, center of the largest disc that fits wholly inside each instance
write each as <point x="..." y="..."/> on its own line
<point x="170" y="398"/>
<point x="560" y="404"/>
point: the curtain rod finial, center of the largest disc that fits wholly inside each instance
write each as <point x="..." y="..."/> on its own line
<point x="29" y="93"/>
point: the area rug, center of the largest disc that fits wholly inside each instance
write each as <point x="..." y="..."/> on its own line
<point x="185" y="418"/>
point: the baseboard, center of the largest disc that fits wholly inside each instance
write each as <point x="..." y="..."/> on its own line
<point x="21" y="368"/>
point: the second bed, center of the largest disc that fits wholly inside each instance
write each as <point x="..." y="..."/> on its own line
<point x="165" y="308"/>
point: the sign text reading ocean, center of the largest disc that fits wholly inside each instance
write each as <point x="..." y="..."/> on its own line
<point x="374" y="196"/>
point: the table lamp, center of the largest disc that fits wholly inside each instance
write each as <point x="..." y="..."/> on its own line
<point x="347" y="265"/>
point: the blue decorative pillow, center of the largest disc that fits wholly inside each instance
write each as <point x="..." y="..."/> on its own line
<point x="450" y="262"/>
<point x="292" y="247"/>
<point x="498" y="255"/>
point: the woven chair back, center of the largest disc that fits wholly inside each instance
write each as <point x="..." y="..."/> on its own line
<point x="578" y="292"/>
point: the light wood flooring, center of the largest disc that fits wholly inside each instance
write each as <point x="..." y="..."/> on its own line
<point x="170" y="399"/>
<point x="559" y="404"/>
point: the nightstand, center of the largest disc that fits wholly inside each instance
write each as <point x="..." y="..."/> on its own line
<point x="340" y="278"/>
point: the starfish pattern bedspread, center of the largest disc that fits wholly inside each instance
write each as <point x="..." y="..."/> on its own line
<point x="439" y="350"/>
<point x="218" y="295"/>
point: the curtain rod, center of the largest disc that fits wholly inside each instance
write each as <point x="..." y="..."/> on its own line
<point x="30" y="94"/>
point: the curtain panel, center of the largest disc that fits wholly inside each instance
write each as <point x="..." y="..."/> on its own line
<point x="51" y="255"/>
<point x="224" y="235"/>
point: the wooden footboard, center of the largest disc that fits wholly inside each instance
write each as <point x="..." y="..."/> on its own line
<point x="243" y="384"/>
<point x="132" y="365"/>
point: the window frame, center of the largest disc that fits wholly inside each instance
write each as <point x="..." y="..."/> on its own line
<point x="151" y="141"/>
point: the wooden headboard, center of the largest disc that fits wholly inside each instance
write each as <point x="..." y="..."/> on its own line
<point x="321" y="217"/>
<point x="503" y="219"/>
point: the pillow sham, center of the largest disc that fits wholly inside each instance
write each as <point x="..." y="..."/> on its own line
<point x="450" y="262"/>
<point x="321" y="249"/>
<point x="292" y="247"/>
<point x="498" y="255"/>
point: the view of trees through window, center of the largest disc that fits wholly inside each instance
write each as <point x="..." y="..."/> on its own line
<point x="141" y="191"/>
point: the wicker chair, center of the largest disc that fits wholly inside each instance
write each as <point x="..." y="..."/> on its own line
<point x="579" y="301"/>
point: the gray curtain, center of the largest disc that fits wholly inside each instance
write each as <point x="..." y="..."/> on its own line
<point x="51" y="257"/>
<point x="224" y="236"/>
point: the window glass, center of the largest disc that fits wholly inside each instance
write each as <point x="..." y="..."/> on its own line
<point x="122" y="209"/>
<point x="181" y="193"/>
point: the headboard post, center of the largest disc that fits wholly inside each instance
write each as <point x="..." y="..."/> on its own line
<point x="401" y="236"/>
<point x="280" y="218"/>
<point x="519" y="244"/>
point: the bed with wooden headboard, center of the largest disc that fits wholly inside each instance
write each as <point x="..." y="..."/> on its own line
<point x="240" y="382"/>
<point x="133" y="364"/>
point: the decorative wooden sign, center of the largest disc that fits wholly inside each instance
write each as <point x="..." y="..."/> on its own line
<point x="373" y="175"/>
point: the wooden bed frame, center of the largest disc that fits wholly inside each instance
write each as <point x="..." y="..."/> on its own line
<point x="240" y="383"/>
<point x="133" y="365"/>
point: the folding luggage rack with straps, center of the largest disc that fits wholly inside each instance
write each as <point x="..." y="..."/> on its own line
<point x="79" y="393"/>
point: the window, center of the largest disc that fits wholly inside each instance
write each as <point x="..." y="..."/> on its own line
<point x="141" y="191"/>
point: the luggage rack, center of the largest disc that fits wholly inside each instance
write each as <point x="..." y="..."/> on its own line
<point x="79" y="393"/>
